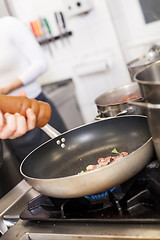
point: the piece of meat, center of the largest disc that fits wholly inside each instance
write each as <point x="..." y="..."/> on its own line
<point x="104" y="162"/>
<point x="128" y="98"/>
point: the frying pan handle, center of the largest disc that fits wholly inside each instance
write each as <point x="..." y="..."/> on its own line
<point x="50" y="131"/>
<point x="19" y="104"/>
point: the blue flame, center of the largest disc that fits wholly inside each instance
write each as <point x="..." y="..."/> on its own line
<point x="99" y="195"/>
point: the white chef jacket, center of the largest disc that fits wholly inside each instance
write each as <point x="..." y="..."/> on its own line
<point x="20" y="57"/>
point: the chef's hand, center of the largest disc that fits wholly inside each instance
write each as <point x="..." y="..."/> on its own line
<point x="16" y="125"/>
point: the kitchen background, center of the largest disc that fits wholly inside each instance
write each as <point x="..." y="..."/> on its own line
<point x="102" y="37"/>
<point x="105" y="36"/>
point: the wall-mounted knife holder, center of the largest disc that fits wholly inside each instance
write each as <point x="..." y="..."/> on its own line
<point x="44" y="40"/>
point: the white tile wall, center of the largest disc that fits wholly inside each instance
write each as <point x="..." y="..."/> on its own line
<point x="94" y="38"/>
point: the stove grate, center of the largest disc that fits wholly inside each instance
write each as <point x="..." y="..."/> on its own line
<point x="137" y="200"/>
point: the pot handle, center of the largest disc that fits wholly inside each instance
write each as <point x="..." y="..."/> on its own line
<point x="145" y="105"/>
<point x="118" y="114"/>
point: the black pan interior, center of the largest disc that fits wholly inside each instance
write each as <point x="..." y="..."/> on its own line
<point x="84" y="145"/>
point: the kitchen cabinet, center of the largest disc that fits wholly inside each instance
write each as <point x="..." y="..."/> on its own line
<point x="63" y="96"/>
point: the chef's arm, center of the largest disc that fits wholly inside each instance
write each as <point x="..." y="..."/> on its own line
<point x="28" y="46"/>
<point x="14" y="85"/>
<point x="30" y="49"/>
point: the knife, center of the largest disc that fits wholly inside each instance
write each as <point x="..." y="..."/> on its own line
<point x="63" y="21"/>
<point x="47" y="25"/>
<point x="47" y="31"/>
<point x="58" y="21"/>
<point x="64" y="25"/>
<point x="33" y="29"/>
<point x="37" y="26"/>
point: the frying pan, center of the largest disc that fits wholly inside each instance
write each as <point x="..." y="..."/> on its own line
<point x="52" y="168"/>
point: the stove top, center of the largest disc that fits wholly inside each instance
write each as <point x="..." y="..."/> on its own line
<point x="128" y="211"/>
<point x="135" y="201"/>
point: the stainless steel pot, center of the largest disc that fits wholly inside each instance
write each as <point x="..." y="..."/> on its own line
<point x="149" y="82"/>
<point x="137" y="65"/>
<point x="140" y="63"/>
<point x="153" y="116"/>
<point x="110" y="103"/>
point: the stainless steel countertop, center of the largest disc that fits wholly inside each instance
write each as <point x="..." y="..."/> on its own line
<point x="16" y="201"/>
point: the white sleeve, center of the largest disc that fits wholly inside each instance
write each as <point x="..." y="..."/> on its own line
<point x="30" y="48"/>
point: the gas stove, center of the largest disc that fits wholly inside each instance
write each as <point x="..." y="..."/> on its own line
<point x="128" y="211"/>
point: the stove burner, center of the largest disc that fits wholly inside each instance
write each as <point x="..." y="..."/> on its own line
<point x="99" y="195"/>
<point x="137" y="200"/>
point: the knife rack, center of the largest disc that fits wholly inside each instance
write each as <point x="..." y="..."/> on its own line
<point x="45" y="40"/>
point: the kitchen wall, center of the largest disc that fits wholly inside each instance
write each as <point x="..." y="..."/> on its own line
<point x="93" y="56"/>
<point x="135" y="36"/>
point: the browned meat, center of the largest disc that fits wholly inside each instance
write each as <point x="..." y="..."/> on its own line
<point x="104" y="162"/>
